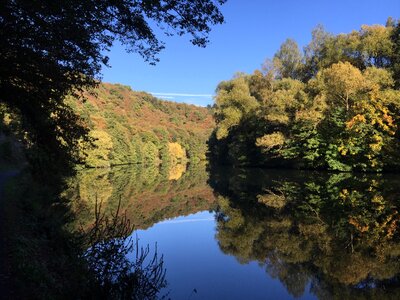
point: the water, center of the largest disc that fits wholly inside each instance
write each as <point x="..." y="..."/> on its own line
<point x="198" y="269"/>
<point x="257" y="234"/>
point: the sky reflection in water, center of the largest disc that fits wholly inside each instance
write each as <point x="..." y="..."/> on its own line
<point x="194" y="261"/>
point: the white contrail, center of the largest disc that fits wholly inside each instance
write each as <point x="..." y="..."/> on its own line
<point x="181" y="94"/>
<point x="165" y="97"/>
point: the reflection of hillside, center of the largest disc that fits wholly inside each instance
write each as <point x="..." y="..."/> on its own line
<point x="335" y="231"/>
<point x="147" y="195"/>
<point x="176" y="171"/>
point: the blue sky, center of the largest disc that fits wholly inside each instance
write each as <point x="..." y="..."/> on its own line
<point x="253" y="31"/>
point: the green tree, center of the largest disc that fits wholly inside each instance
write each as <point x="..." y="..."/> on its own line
<point x="313" y="52"/>
<point x="376" y="45"/>
<point x="288" y="60"/>
<point x="150" y="154"/>
<point x="233" y="102"/>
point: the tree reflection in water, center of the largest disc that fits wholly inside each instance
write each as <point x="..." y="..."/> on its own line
<point x="51" y="256"/>
<point x="148" y="194"/>
<point x="337" y="233"/>
<point x="119" y="277"/>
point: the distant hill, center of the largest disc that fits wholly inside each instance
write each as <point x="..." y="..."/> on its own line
<point x="135" y="127"/>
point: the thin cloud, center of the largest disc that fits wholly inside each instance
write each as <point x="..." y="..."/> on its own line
<point x="181" y="95"/>
<point x="165" y="97"/>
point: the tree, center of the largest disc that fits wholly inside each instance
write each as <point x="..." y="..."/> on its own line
<point x="98" y="156"/>
<point x="343" y="81"/>
<point x="176" y="152"/>
<point x="342" y="115"/>
<point x="314" y="51"/>
<point x="51" y="49"/>
<point x="288" y="59"/>
<point x="261" y="85"/>
<point x="233" y="102"/>
<point x="395" y="37"/>
<point x="376" y="44"/>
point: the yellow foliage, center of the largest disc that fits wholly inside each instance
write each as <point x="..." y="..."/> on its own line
<point x="7" y="119"/>
<point x="272" y="200"/>
<point x="176" y="172"/>
<point x="98" y="156"/>
<point x="176" y="152"/>
<point x="356" y="119"/>
<point x="270" y="141"/>
<point x="343" y="82"/>
<point x="377" y="146"/>
<point x="231" y="117"/>
<point x="342" y="150"/>
<point x="233" y="101"/>
<point x="377" y="78"/>
<point x="344" y="194"/>
<point x="357" y="225"/>
<point x="376" y="40"/>
<point x="94" y="185"/>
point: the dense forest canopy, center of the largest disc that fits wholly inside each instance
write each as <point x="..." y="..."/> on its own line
<point x="130" y="127"/>
<point x="335" y="105"/>
<point x="51" y="49"/>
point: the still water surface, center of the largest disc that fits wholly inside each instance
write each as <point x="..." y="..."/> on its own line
<point x="198" y="269"/>
<point x="258" y="234"/>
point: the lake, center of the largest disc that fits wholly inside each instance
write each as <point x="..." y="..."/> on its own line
<point x="255" y="234"/>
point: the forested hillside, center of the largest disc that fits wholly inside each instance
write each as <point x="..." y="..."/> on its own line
<point x="134" y="127"/>
<point x="335" y="105"/>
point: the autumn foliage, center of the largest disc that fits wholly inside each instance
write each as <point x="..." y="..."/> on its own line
<point x="335" y="106"/>
<point x="129" y="127"/>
